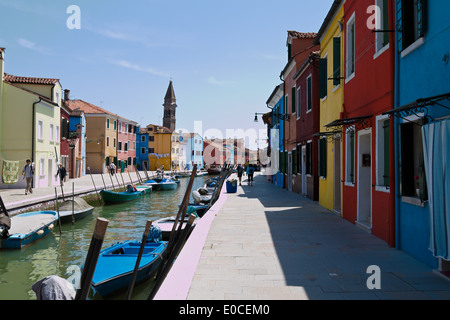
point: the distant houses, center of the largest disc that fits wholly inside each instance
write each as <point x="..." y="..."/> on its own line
<point x="361" y="123"/>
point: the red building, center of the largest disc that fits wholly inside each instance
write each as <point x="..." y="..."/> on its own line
<point x="368" y="148"/>
<point x="307" y="127"/>
<point x="63" y="155"/>
<point x="126" y="144"/>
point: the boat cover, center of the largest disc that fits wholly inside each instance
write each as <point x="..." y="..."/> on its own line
<point x="54" y="288"/>
<point x="79" y="204"/>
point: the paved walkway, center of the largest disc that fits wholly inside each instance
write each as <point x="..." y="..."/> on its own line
<point x="267" y="243"/>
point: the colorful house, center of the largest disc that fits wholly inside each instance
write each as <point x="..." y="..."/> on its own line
<point x="368" y="82"/>
<point x="194" y="150"/>
<point x="30" y="125"/>
<point x="126" y="144"/>
<point x="331" y="39"/>
<point x="64" y="137"/>
<point x="77" y="144"/>
<point x="101" y="135"/>
<point x="142" y="148"/>
<point x="422" y="130"/>
<point x="276" y="135"/>
<point x="307" y="127"/>
<point x="159" y="147"/>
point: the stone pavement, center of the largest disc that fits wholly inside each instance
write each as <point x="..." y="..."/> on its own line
<point x="267" y="243"/>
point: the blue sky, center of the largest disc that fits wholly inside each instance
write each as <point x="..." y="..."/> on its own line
<point x="224" y="57"/>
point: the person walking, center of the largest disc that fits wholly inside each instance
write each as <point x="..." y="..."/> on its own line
<point x="240" y="171"/>
<point x="112" y="168"/>
<point x="250" y="172"/>
<point x="28" y="172"/>
<point x="62" y="173"/>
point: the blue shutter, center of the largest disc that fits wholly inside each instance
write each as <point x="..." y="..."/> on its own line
<point x="399" y="25"/>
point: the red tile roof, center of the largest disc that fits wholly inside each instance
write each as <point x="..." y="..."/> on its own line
<point x="86" y="107"/>
<point x="31" y="80"/>
<point x="302" y="35"/>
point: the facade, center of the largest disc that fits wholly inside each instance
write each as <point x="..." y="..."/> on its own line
<point x="307" y="128"/>
<point x="126" y="144"/>
<point x="331" y="38"/>
<point x="101" y="135"/>
<point x="64" y="138"/>
<point x="142" y="148"/>
<point x="77" y="141"/>
<point x="175" y="150"/>
<point x="159" y="147"/>
<point x="30" y="125"/>
<point x="194" y="150"/>
<point x="421" y="123"/>
<point x="217" y="152"/>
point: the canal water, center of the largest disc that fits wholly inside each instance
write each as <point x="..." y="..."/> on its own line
<point x="56" y="253"/>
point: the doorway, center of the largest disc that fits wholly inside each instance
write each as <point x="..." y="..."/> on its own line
<point x="304" y="192"/>
<point x="290" y="171"/>
<point x="337" y="174"/>
<point x="364" y="183"/>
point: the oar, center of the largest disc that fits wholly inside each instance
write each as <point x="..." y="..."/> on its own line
<point x="98" y="196"/>
<point x="138" y="260"/>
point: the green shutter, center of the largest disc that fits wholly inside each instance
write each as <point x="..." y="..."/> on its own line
<point x="294" y="161"/>
<point x="293" y="99"/>
<point x="323" y="157"/>
<point x="323" y="78"/>
<point x="107" y="123"/>
<point x="336" y="61"/>
<point x="352" y="157"/>
<point x="107" y="161"/>
<point x="386" y="129"/>
<point x="385" y="22"/>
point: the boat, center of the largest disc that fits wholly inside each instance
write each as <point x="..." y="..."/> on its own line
<point x="118" y="197"/>
<point x="214" y="170"/>
<point x="28" y="227"/>
<point x="80" y="207"/>
<point x="115" y="265"/>
<point x="168" y="184"/>
<point x="146" y="188"/>
<point x="166" y="225"/>
<point x="201" y="195"/>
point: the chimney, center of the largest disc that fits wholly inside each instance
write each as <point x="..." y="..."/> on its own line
<point x="66" y="94"/>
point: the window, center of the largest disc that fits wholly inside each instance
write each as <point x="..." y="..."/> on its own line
<point x="412" y="169"/>
<point x="411" y="21"/>
<point x="151" y="150"/>
<point x="294" y="161"/>
<point x="151" y="138"/>
<point x="350" y="156"/>
<point x="293" y="99"/>
<point x="336" y="61"/>
<point x="299" y="158"/>
<point x="114" y="142"/>
<point x="120" y="146"/>
<point x="115" y="125"/>
<point x="322" y="157"/>
<point x="309" y="94"/>
<point x="382" y="38"/>
<point x="383" y="151"/>
<point x="107" y="123"/>
<point x="58" y="135"/>
<point x="323" y="78"/>
<point x="125" y="146"/>
<point x="142" y="150"/>
<point x="299" y="106"/>
<point x="42" y="166"/>
<point x="107" y="141"/>
<point x="350" y="48"/>
<point x="286" y="105"/>
<point x="309" y="157"/>
<point x="52" y="137"/>
<point x="142" y="138"/>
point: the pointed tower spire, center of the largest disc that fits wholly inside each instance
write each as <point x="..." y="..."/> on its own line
<point x="170" y="104"/>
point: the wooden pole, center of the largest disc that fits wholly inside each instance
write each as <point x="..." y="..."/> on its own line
<point x="123" y="181"/>
<point x="117" y="179"/>
<point x="92" y="258"/>
<point x="138" y="259"/>
<point x="98" y="196"/>
<point x="110" y="176"/>
<point x="129" y="176"/>
<point x="172" y="255"/>
<point x="104" y="184"/>
<point x="57" y="210"/>
<point x="73" y="202"/>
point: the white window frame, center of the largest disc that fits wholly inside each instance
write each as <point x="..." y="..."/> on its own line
<point x="350" y="76"/>
<point x="40" y="130"/>
<point x="309" y="99"/>
<point x="58" y="134"/>
<point x="42" y="167"/>
<point x="348" y="181"/>
<point x="298" y="102"/>
<point x="325" y="56"/>
<point x="52" y="132"/>
<point x="379" y="149"/>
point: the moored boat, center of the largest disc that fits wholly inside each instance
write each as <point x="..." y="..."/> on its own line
<point x="115" y="265"/>
<point x="80" y="210"/>
<point x="111" y="197"/>
<point x="145" y="188"/>
<point x="29" y="227"/>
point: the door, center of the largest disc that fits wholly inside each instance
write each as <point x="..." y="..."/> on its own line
<point x="290" y="171"/>
<point x="304" y="191"/>
<point x="337" y="175"/>
<point x="51" y="178"/>
<point x="364" y="183"/>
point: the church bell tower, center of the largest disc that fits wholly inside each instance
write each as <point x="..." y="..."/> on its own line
<point x="170" y="104"/>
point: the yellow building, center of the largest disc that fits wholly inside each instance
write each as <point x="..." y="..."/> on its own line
<point x="30" y="124"/>
<point x="101" y="135"/>
<point x="331" y="39"/>
<point x="159" y="147"/>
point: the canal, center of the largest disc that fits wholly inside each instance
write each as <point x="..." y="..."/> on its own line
<point x="54" y="254"/>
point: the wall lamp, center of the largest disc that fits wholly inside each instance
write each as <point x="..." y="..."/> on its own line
<point x="276" y="115"/>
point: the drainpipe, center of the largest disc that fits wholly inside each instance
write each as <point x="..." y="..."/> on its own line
<point x="396" y="137"/>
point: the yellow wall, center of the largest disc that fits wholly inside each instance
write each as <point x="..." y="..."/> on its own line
<point x="330" y="108"/>
<point x="162" y="145"/>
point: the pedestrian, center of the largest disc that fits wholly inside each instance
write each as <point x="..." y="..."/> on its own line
<point x="250" y="172"/>
<point x="62" y="173"/>
<point x="240" y="171"/>
<point x="112" y="168"/>
<point x="28" y="172"/>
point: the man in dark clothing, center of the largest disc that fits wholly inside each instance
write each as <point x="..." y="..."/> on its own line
<point x="240" y="171"/>
<point x="62" y="173"/>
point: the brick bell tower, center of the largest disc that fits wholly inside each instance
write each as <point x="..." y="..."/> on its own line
<point x="170" y="104"/>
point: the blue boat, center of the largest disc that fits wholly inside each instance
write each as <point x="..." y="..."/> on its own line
<point x="112" y="197"/>
<point x="163" y="184"/>
<point x="116" y="264"/>
<point x="28" y="227"/>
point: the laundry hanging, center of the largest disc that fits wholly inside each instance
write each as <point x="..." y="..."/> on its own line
<point x="436" y="139"/>
<point x="10" y="171"/>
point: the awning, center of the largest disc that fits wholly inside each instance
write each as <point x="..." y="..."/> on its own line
<point x="358" y="122"/>
<point x="329" y="135"/>
<point x="419" y="107"/>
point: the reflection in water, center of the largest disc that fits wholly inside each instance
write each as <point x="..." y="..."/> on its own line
<point x="20" y="269"/>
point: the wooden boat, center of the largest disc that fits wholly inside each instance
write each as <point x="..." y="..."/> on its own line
<point x="200" y="196"/>
<point x="166" y="225"/>
<point x="118" y="197"/>
<point x="29" y="227"/>
<point x="115" y="265"/>
<point x="146" y="189"/>
<point x="81" y="209"/>
<point x="214" y="170"/>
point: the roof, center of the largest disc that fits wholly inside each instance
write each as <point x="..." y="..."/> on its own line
<point x="170" y="94"/>
<point x="160" y="129"/>
<point x="333" y="10"/>
<point x="301" y="35"/>
<point x="30" y="80"/>
<point x="86" y="107"/>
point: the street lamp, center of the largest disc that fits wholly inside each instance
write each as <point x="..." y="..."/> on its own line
<point x="279" y="116"/>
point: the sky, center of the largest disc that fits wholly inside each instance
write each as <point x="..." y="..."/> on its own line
<point x="224" y="57"/>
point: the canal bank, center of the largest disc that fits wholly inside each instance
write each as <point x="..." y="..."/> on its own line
<point x="264" y="242"/>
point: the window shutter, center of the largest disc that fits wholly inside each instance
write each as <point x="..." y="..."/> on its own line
<point x="352" y="157"/>
<point x="421" y="17"/>
<point x="293" y="99"/>
<point x="406" y="163"/>
<point x="385" y="22"/>
<point x="336" y="61"/>
<point x="399" y="25"/>
<point x="107" y="161"/>
<point x="386" y="128"/>
<point x="294" y="161"/>
<point x="322" y="78"/>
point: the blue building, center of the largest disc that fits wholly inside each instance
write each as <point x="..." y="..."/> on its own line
<point x="77" y="123"/>
<point x="276" y="135"/>
<point x="142" y="148"/>
<point x="194" y="150"/>
<point x="422" y="130"/>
